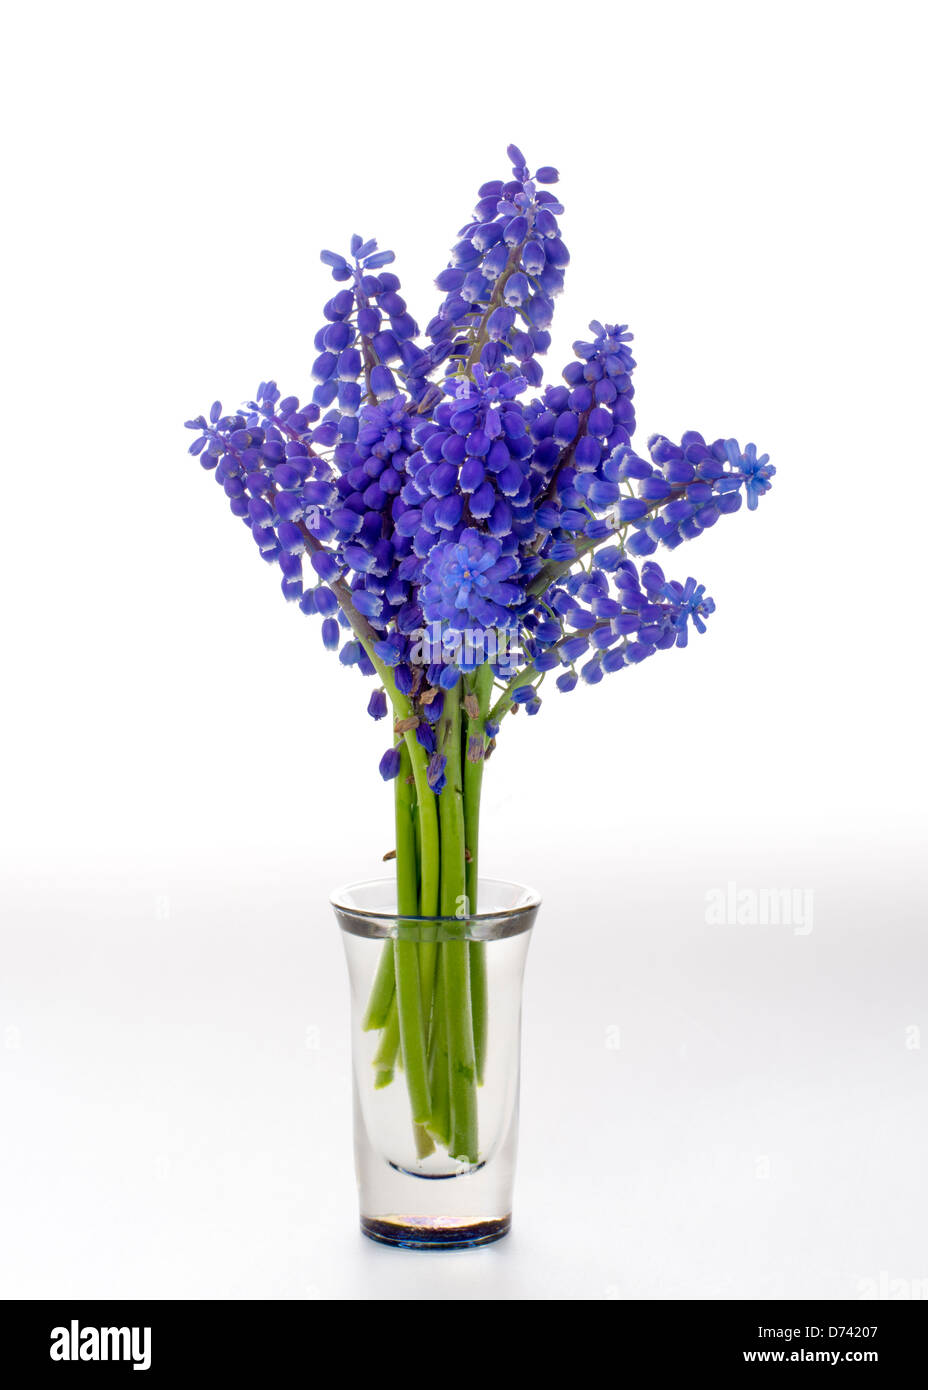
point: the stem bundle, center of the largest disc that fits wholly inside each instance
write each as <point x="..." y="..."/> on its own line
<point x="429" y="994"/>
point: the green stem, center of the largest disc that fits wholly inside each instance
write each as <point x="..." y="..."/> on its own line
<point x="428" y="841"/>
<point x="440" y="1123"/>
<point x="454" y="953"/>
<point x="406" y="952"/>
<point x="388" y="1047"/>
<point x="461" y="1060"/>
<point x="424" y="898"/>
<point x="382" y="991"/>
<point x="428" y="948"/>
<point x="429" y="868"/>
<point x="423" y="850"/>
<point x="451" y="808"/>
<point x="402" y="708"/>
<point x="482" y="686"/>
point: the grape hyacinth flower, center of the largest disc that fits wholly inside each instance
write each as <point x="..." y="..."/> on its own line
<point x="462" y="532"/>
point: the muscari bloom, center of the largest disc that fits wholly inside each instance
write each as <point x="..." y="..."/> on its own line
<point x="430" y="482"/>
<point x="504" y="272"/>
<point x="468" y="590"/>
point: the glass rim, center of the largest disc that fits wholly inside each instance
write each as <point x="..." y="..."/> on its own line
<point x="528" y="907"/>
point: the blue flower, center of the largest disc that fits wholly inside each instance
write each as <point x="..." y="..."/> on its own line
<point x="436" y="772"/>
<point x="377" y="704"/>
<point x="509" y="254"/>
<point x="468" y="586"/>
<point x="425" y="485"/>
<point x="755" y="471"/>
<point x="688" y="603"/>
<point x="577" y="431"/>
<point x="390" y="764"/>
<point x="689" y="486"/>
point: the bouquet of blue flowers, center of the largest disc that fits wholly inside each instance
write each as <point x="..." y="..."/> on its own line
<point x="462" y="533"/>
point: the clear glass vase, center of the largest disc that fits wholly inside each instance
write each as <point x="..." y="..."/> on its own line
<point x="413" y="1191"/>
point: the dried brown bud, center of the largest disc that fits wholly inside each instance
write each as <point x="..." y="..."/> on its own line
<point x="468" y="857"/>
<point x="390" y="854"/>
<point x="474" y="748"/>
<point x="429" y="695"/>
<point x="490" y="747"/>
<point x="403" y="726"/>
<point x="472" y="705"/>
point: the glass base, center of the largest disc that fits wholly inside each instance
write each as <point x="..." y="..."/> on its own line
<point x="437" y="1234"/>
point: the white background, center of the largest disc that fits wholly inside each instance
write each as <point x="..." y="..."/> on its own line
<point x="187" y="773"/>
